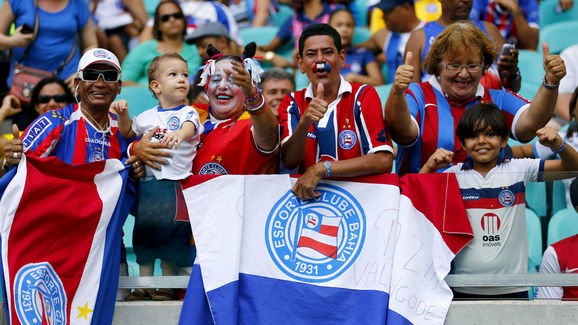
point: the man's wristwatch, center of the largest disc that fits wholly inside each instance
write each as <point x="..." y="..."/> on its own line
<point x="269" y="55"/>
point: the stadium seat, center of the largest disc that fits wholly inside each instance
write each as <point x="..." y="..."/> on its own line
<point x="562" y="225"/>
<point x="361" y="10"/>
<point x="133" y="269"/>
<point x="301" y="80"/>
<point x="534" y="229"/>
<point x="536" y="197"/>
<point x="139" y="99"/>
<point x="560" y="35"/>
<point x="528" y="89"/>
<point x="361" y="34"/>
<point x="529" y="63"/>
<point x="383" y="92"/>
<point x="548" y="16"/>
<point x="151" y="6"/>
<point x="260" y="35"/>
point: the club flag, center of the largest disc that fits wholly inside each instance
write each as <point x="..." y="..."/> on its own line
<point x="319" y="231"/>
<point x="61" y="240"/>
<point x="266" y="257"/>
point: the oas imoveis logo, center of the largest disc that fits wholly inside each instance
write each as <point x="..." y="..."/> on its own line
<point x="38" y="287"/>
<point x="316" y="240"/>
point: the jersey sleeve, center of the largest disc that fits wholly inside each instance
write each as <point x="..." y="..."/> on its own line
<point x="512" y="106"/>
<point x="416" y="104"/>
<point x="192" y="116"/>
<point x="373" y="133"/>
<point x="42" y="136"/>
<point x="289" y="116"/>
<point x="550" y="265"/>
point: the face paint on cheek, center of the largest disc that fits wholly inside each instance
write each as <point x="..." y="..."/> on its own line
<point x="321" y="67"/>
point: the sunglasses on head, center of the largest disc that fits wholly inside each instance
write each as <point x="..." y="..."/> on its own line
<point x="93" y="75"/>
<point x="176" y="15"/>
<point x="61" y="98"/>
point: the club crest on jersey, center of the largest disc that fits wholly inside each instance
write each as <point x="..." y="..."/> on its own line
<point x="347" y="139"/>
<point x="39" y="292"/>
<point x="315" y="240"/>
<point x="173" y="123"/>
<point x="95" y="156"/>
<point x="213" y="168"/>
<point x="507" y="198"/>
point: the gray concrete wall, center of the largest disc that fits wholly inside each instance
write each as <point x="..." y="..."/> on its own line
<point x="460" y="313"/>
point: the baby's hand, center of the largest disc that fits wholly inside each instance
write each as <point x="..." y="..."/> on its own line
<point x="120" y="107"/>
<point x="173" y="139"/>
<point x="549" y="138"/>
<point x="441" y="158"/>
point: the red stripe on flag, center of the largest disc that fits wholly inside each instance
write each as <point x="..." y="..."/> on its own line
<point x="328" y="230"/>
<point x="327" y="250"/>
<point x="56" y="231"/>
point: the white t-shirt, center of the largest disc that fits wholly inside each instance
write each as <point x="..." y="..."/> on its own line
<point x="496" y="207"/>
<point x="570" y="80"/>
<point x="180" y="164"/>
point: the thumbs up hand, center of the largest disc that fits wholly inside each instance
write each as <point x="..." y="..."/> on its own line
<point x="317" y="107"/>
<point x="13" y="148"/>
<point x="553" y="66"/>
<point x="403" y="75"/>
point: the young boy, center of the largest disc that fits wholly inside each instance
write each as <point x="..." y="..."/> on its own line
<point x="493" y="192"/>
<point x="156" y="234"/>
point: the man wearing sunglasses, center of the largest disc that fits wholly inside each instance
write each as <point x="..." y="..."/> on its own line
<point x="81" y="132"/>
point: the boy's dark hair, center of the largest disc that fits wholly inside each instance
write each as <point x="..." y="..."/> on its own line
<point x="479" y="117"/>
<point x="316" y="30"/>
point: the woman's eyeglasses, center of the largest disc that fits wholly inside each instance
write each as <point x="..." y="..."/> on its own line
<point x="176" y="15"/>
<point x="44" y="99"/>
<point x="93" y="75"/>
<point x="456" y="68"/>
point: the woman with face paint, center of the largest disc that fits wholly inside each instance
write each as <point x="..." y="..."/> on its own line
<point x="240" y="135"/>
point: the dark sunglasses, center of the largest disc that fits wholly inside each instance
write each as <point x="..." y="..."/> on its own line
<point x="93" y="75"/>
<point x="43" y="99"/>
<point x="176" y="15"/>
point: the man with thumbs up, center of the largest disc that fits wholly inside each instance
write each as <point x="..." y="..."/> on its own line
<point x="333" y="127"/>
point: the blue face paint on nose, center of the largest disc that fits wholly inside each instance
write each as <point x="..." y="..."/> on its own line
<point x="321" y="67"/>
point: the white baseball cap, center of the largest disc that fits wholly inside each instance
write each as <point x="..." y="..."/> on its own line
<point x="98" y="55"/>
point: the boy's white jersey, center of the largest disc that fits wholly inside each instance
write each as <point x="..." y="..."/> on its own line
<point x="180" y="164"/>
<point x="496" y="207"/>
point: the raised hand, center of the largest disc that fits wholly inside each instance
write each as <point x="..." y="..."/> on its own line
<point x="439" y="159"/>
<point x="549" y="138"/>
<point x="317" y="107"/>
<point x="119" y="107"/>
<point x="403" y="75"/>
<point x="13" y="149"/>
<point x="10" y="106"/>
<point x="241" y="78"/>
<point x="553" y="66"/>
